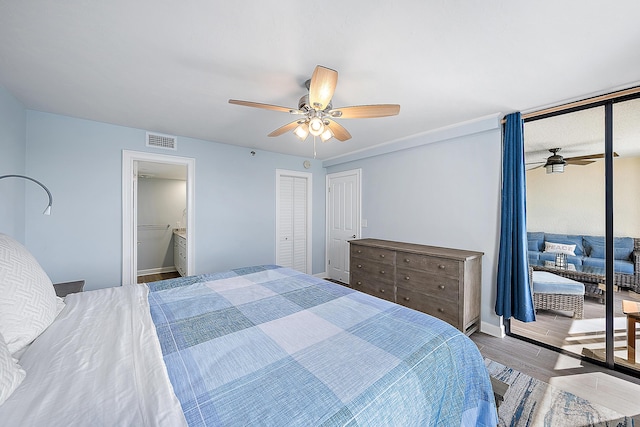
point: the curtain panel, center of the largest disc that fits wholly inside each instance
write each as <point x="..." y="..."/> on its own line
<point x="514" y="296"/>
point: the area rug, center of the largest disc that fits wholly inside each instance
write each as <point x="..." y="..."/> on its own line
<point x="530" y="402"/>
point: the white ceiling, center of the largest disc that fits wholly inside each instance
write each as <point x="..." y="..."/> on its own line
<point x="171" y="67"/>
<point x="153" y="170"/>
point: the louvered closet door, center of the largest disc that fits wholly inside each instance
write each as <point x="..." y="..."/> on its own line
<point x="292" y="221"/>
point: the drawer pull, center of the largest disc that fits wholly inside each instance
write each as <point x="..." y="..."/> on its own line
<point x="381" y="255"/>
<point x="441" y="267"/>
<point x="382" y="290"/>
<point x="441" y="310"/>
<point x="407" y="278"/>
<point x="358" y="283"/>
<point x="406" y="298"/>
<point x="359" y="265"/>
<point x="407" y="260"/>
<point x="381" y="271"/>
<point x="441" y="286"/>
<point x="359" y="251"/>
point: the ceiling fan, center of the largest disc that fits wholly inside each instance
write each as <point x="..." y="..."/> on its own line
<point x="556" y="163"/>
<point x="317" y="115"/>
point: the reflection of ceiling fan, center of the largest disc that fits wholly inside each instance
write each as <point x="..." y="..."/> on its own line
<point x="556" y="163"/>
<point x="317" y="113"/>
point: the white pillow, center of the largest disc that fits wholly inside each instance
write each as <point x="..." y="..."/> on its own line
<point x="559" y="248"/>
<point x="28" y="302"/>
<point x="11" y="374"/>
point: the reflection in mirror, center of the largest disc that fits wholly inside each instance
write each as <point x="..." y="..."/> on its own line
<point x="626" y="208"/>
<point x="565" y="221"/>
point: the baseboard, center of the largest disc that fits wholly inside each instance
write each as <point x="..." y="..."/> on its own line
<point x="159" y="270"/>
<point x="491" y="329"/>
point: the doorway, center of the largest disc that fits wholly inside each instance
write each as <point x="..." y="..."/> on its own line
<point x="343" y="221"/>
<point x="131" y="161"/>
<point x="161" y="216"/>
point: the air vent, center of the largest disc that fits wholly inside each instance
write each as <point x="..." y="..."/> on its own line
<point x="158" y="140"/>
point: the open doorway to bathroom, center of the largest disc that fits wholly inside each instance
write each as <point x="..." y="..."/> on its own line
<point x="162" y="220"/>
<point x="157" y="215"/>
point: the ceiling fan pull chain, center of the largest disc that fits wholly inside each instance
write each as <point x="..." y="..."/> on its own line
<point x="314" y="146"/>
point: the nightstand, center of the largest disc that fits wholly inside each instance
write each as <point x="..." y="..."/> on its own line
<point x="62" y="289"/>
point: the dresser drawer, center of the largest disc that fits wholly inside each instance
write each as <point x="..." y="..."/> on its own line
<point x="369" y="268"/>
<point x="372" y="286"/>
<point x="441" y="308"/>
<point x="384" y="256"/>
<point x="428" y="283"/>
<point x="431" y="264"/>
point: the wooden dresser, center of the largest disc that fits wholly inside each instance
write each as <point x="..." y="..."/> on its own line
<point x="442" y="282"/>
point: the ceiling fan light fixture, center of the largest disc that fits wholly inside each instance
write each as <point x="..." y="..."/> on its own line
<point x="316" y="127"/>
<point x="326" y="135"/>
<point x="302" y="131"/>
<point x="555" y="168"/>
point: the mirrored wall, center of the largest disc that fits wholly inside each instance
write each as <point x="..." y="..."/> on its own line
<point x="583" y="183"/>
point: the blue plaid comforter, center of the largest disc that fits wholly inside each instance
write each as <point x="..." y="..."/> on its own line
<point x="270" y="346"/>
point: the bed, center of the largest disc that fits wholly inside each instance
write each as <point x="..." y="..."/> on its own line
<point x="261" y="345"/>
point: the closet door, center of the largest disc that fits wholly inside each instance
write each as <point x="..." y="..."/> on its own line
<point x="293" y="229"/>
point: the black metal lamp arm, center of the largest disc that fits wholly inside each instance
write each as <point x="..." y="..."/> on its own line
<point x="47" y="211"/>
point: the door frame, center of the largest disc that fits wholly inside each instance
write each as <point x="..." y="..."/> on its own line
<point x="309" y="177"/>
<point x="328" y="206"/>
<point x="130" y="209"/>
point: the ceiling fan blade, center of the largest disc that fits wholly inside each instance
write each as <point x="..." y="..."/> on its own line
<point x="323" y="84"/>
<point x="284" y="129"/>
<point x="339" y="132"/>
<point x="589" y="157"/>
<point x="366" y="111"/>
<point x="579" y="162"/>
<point x="259" y="105"/>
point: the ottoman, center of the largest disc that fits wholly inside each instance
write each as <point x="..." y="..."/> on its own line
<point x="553" y="292"/>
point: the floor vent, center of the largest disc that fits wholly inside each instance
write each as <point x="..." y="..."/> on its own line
<point x="159" y="140"/>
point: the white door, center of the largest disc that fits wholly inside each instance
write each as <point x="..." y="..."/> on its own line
<point x="343" y="221"/>
<point x="293" y="220"/>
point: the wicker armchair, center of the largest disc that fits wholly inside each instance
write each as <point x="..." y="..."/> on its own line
<point x="551" y="301"/>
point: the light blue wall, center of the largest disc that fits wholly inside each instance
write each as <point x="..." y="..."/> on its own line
<point x="442" y="191"/>
<point x="81" y="162"/>
<point x="12" y="161"/>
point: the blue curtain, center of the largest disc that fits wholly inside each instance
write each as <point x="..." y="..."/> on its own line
<point x="514" y="297"/>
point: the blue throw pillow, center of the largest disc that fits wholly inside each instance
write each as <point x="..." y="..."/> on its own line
<point x="591" y="241"/>
<point x="537" y="236"/>
<point x="618" y="253"/>
<point x="622" y="247"/>
<point x="534" y="245"/>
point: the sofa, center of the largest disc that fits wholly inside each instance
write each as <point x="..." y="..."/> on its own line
<point x="586" y="251"/>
